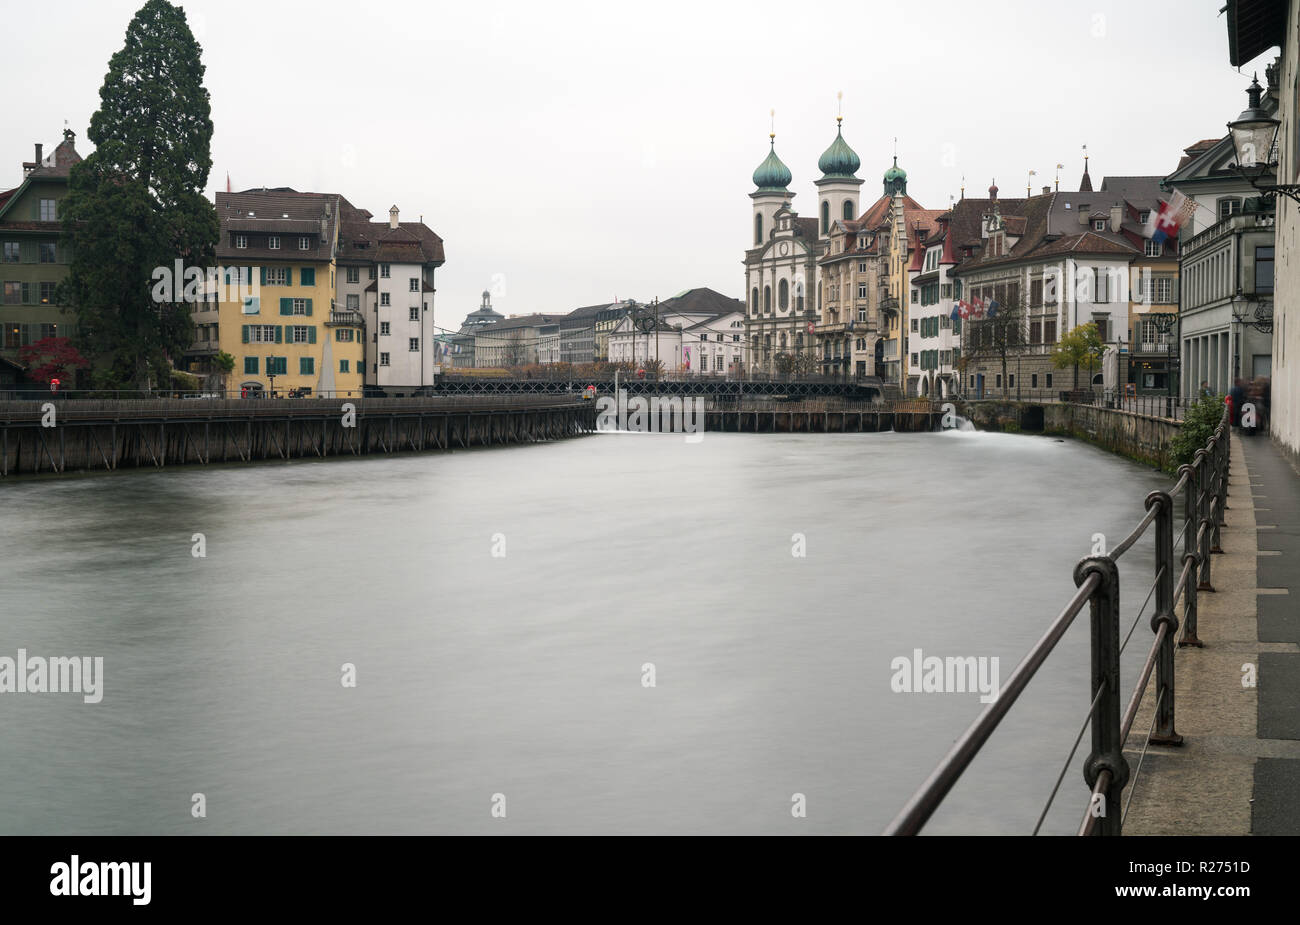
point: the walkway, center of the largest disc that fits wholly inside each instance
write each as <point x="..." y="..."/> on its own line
<point x="1238" y="771"/>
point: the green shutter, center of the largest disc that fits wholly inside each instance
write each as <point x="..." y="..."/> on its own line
<point x="279" y="330"/>
<point x="311" y="333"/>
<point x="308" y="306"/>
<point x="288" y="276"/>
<point x="245" y="333"/>
<point x="308" y="276"/>
<point x="263" y="269"/>
<point x="286" y="306"/>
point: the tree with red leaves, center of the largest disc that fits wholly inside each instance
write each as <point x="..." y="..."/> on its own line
<point x="51" y="358"/>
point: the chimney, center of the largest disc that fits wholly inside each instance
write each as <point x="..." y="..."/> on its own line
<point x="1116" y="216"/>
<point x="1047" y="190"/>
<point x="39" y="149"/>
<point x="392" y="217"/>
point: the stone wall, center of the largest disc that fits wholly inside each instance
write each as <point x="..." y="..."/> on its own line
<point x="1136" y="436"/>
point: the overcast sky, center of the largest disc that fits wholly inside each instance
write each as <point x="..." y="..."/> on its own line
<point x="569" y="153"/>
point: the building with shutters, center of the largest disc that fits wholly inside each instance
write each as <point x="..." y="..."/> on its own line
<point x="33" y="256"/>
<point x="288" y="338"/>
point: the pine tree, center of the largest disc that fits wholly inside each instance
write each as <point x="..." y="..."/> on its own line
<point x="137" y="202"/>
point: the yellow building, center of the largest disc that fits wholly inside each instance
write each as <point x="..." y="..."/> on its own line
<point x="285" y="333"/>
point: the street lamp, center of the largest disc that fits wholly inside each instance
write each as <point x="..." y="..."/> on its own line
<point x="1164" y="322"/>
<point x="1254" y="136"/>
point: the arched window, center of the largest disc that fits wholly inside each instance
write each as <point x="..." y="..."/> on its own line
<point x="848" y="210"/>
<point x="783" y="295"/>
<point x="798" y="341"/>
<point x="758" y="229"/>
<point x="782" y="340"/>
<point x="798" y="294"/>
<point x="819" y="295"/>
<point x="826" y="216"/>
<point x="767" y="298"/>
<point x="753" y="300"/>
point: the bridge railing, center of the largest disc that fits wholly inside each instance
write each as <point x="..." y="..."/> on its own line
<point x="1203" y="485"/>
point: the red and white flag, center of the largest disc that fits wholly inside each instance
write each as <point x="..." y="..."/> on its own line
<point x="1164" y="224"/>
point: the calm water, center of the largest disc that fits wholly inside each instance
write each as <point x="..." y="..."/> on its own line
<point x="522" y="675"/>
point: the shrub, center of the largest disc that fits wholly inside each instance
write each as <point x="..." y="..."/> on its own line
<point x="1198" y="426"/>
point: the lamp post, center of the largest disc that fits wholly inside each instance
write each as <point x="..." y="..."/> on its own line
<point x="1254" y="138"/>
<point x="1164" y="321"/>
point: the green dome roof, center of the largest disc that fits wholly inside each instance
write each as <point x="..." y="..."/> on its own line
<point x="772" y="174"/>
<point x="895" y="172"/>
<point x="839" y="160"/>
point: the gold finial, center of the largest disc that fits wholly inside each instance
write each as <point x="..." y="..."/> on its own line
<point x="1085" y="157"/>
<point x="772" y="135"/>
<point x="839" y="107"/>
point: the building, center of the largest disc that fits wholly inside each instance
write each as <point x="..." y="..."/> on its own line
<point x="716" y="345"/>
<point x="1067" y="259"/>
<point x="33" y="256"/>
<point x="1226" y="263"/>
<point x="578" y="334"/>
<point x="387" y="269"/>
<point x="780" y="265"/>
<point x="520" y="340"/>
<point x="288" y="337"/>
<point x="458" y="348"/>
<point x="606" y="320"/>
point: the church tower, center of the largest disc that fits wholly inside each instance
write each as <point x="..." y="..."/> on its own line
<point x="838" y="189"/>
<point x="771" y="179"/>
<point x="895" y="179"/>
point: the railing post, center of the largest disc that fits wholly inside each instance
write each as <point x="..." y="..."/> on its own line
<point x="1189" y="552"/>
<point x="1107" y="746"/>
<point x="1164" y="732"/>
<point x="1205" y="485"/>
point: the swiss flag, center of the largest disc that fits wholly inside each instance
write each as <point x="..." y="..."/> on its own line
<point x="1164" y="224"/>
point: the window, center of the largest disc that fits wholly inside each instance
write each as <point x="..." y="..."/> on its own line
<point x="1164" y="289"/>
<point x="11" y="252"/>
<point x="354" y="274"/>
<point x="383" y="359"/>
<point x="1101" y="285"/>
<point x="13" y="293"/>
<point x="413" y="344"/>
<point x="304" y="243"/>
<point x="1033" y="381"/>
<point x="1264" y="269"/>
<point x="1049" y="335"/>
<point x="277" y="366"/>
<point x="297" y="306"/>
<point x="384" y="270"/>
<point x="49" y="210"/>
<point x="354" y="302"/>
<point x="383" y="328"/>
<point x="343" y="366"/>
<point x="307" y="276"/>
<point x="345" y="335"/>
<point x="415" y="284"/>
<point x="370" y="272"/>
<point x="275" y="276"/>
<point x="767" y="298"/>
<point x="862" y="290"/>
<point x="783" y="295"/>
<point x="1152" y="248"/>
<point x="1229" y="205"/>
<point x="915" y="360"/>
<point x="1143" y="217"/>
<point x="862" y="266"/>
<point x="46" y="251"/>
<point x="415" y="313"/>
<point x="735" y="338"/>
<point x="915" y="329"/>
<point x="1035" y="332"/>
<point x="273" y="242"/>
<point x="47" y="293"/>
<point x="306" y="366"/>
<point x="1097" y="225"/>
<point x="262" y="334"/>
<point x="826" y="216"/>
<point x="383" y="298"/>
<point x="241" y="243"/>
<point x="302" y="334"/>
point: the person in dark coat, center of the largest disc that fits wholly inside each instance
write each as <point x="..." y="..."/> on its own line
<point x="1237" y="398"/>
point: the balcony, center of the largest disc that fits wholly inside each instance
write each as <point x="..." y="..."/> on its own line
<point x="346" y="317"/>
<point x="1239" y="222"/>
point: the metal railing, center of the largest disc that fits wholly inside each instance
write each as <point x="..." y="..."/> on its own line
<point x="1204" y="487"/>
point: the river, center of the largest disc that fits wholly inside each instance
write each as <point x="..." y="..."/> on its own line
<point x="500" y="608"/>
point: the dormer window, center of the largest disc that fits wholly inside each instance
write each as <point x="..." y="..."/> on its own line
<point x="241" y="241"/>
<point x="273" y="242"/>
<point x="304" y="243"/>
<point x="1099" y="224"/>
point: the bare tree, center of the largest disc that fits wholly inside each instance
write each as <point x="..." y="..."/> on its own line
<point x="999" y="335"/>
